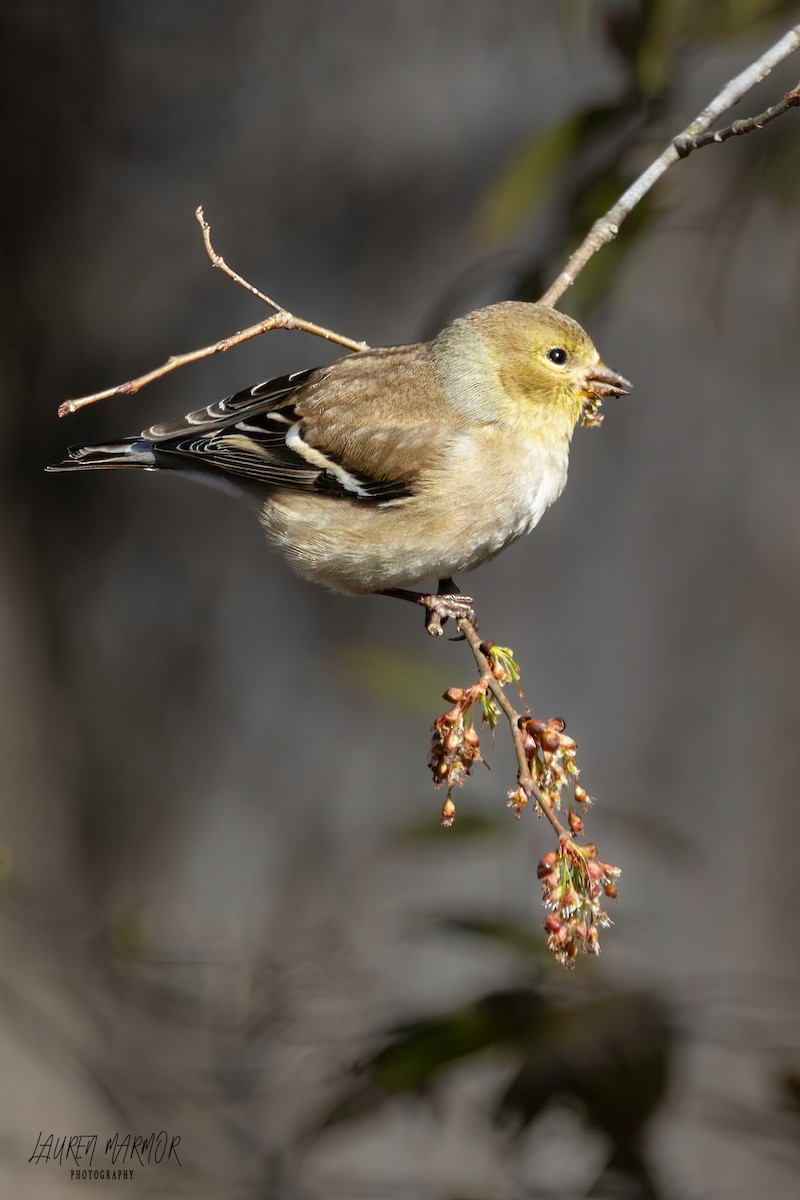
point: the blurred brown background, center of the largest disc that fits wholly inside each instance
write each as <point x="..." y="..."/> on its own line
<point x="222" y="874"/>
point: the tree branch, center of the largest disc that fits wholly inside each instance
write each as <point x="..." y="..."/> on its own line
<point x="687" y="145"/>
<point x="282" y="319"/>
<point x="695" y="135"/>
<point x="172" y="364"/>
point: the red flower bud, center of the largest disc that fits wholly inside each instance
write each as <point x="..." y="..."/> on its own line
<point x="546" y="864"/>
<point x="549" y="740"/>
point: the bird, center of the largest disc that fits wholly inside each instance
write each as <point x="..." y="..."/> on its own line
<point x="394" y="465"/>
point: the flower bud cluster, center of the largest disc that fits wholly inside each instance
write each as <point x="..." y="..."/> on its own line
<point x="592" y="417"/>
<point x="455" y="746"/>
<point x="573" y="882"/>
<point x="518" y="800"/>
<point x="553" y="763"/>
<point x="501" y="662"/>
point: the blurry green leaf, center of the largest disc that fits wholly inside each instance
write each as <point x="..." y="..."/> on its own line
<point x="576" y="15"/>
<point x="609" y="1055"/>
<point x="774" y="165"/>
<point x="677" y="23"/>
<point x="6" y="862"/>
<point x="720" y="18"/>
<point x="519" y="189"/>
<point x="528" y="941"/>
<point x="468" y="825"/>
<point x="790" y="1086"/>
<point x="402" y="679"/>
<point x="415" y="1055"/>
<point x="128" y="933"/>
<point x="418" y="1052"/>
<point x="599" y="277"/>
<point x="518" y="192"/>
<point x="627" y="24"/>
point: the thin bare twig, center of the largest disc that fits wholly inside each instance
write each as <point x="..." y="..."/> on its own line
<point x="281" y="319"/>
<point x="524" y="776"/>
<point x="606" y="228"/>
<point x="173" y="362"/>
<point x="687" y="145"/>
<point x="290" y="320"/>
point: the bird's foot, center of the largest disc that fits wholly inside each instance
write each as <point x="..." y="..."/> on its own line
<point x="441" y="607"/>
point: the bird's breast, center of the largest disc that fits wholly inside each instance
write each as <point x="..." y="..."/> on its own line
<point x="482" y="500"/>
<point x="516" y="494"/>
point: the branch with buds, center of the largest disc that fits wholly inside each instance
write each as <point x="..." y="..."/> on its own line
<point x="573" y="878"/>
<point x="694" y="137"/>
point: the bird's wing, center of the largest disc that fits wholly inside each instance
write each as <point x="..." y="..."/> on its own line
<point x="325" y="430"/>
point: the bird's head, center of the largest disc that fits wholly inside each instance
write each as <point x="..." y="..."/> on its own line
<point x="549" y="372"/>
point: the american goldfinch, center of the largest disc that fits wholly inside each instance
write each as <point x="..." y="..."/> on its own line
<point x="397" y="464"/>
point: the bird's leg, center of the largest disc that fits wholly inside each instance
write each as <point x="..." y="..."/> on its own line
<point x="447" y="602"/>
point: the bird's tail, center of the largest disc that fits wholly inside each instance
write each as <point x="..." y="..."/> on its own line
<point x="130" y="452"/>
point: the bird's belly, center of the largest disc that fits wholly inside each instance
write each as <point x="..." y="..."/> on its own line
<point x="354" y="548"/>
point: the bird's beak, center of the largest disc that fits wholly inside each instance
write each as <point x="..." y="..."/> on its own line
<point x="601" y="381"/>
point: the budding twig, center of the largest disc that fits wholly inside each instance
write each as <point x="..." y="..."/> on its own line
<point x="524" y="776"/>
<point x="281" y="319"/>
<point x="693" y="137"/>
<point x="686" y="145"/>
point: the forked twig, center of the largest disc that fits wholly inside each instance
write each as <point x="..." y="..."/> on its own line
<point x="281" y="319"/>
<point x="289" y="320"/>
<point x="687" y="145"/>
<point x="606" y="228"/>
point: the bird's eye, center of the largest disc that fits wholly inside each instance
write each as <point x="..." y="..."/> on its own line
<point x="557" y="355"/>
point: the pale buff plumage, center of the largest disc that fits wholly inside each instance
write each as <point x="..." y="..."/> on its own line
<point x="399" y="464"/>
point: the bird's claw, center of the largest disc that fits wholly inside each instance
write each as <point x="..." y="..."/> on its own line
<point x="442" y="607"/>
